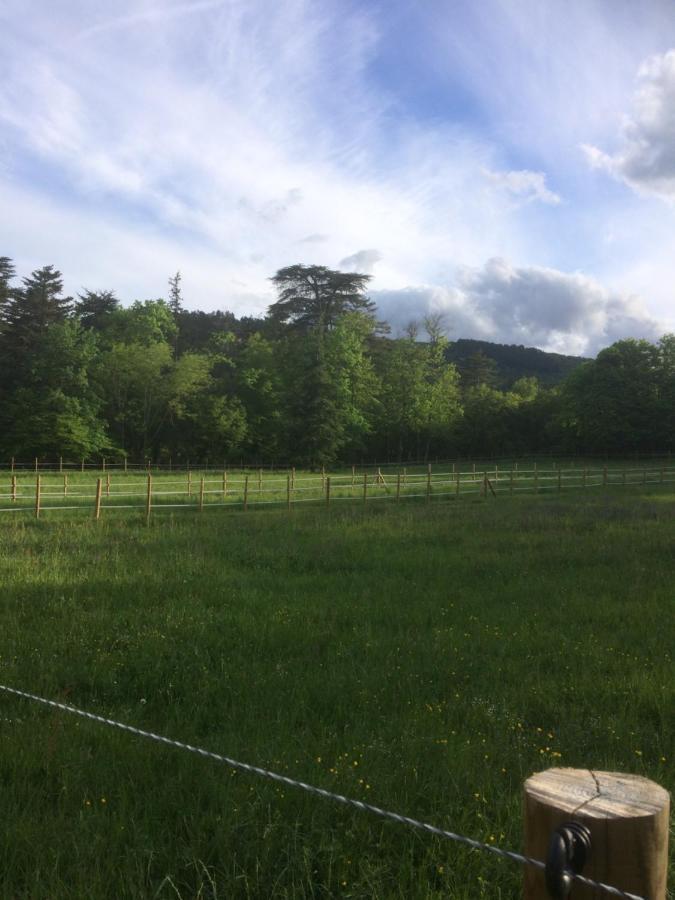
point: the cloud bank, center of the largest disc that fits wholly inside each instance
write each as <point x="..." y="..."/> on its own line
<point x="530" y="305"/>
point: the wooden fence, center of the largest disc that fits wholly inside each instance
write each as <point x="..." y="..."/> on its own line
<point x="247" y="490"/>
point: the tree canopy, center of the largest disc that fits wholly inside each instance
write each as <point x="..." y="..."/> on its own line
<point x="313" y="382"/>
<point x="316" y="297"/>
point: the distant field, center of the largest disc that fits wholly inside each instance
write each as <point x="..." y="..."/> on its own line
<point x="426" y="657"/>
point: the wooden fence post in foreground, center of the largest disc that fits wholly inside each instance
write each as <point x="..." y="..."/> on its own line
<point x="628" y="819"/>
<point x="38" y="483"/>
<point x="97" y="501"/>
<point x="148" y="500"/>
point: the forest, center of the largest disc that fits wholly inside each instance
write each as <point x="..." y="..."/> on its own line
<point x="318" y="380"/>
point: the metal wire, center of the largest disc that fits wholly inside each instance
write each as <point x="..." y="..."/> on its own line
<point x="319" y="792"/>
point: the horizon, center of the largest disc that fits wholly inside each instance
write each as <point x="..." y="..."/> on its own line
<point x="511" y="166"/>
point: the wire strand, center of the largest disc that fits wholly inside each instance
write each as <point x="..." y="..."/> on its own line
<point x="318" y="792"/>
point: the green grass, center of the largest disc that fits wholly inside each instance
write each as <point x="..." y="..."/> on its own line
<point x="425" y="658"/>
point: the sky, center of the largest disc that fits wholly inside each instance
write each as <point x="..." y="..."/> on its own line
<point x="507" y="163"/>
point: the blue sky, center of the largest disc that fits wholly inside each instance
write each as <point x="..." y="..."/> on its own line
<point x="510" y="163"/>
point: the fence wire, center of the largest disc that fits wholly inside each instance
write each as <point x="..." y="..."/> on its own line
<point x="320" y="792"/>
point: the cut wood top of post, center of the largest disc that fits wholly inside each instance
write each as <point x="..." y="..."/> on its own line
<point x="601" y="795"/>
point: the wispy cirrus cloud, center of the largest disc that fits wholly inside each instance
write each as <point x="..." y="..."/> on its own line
<point x="229" y="139"/>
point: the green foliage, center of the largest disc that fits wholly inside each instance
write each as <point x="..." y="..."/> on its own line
<point x="316" y="297"/>
<point x="95" y="309"/>
<point x="314" y="382"/>
<point x="614" y="401"/>
<point x="55" y="409"/>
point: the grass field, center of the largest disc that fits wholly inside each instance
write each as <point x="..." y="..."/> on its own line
<point x="427" y="658"/>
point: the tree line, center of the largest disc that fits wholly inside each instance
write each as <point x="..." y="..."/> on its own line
<point x="316" y="380"/>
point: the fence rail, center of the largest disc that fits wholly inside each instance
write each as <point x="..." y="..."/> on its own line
<point x="47" y="492"/>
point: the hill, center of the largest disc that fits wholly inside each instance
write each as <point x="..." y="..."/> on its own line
<point x="513" y="361"/>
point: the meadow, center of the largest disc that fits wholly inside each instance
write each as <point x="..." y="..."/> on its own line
<point x="424" y="657"/>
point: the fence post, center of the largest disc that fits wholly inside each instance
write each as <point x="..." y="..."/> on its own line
<point x="398" y="487"/>
<point x="201" y="494"/>
<point x="107" y="484"/>
<point x="12" y="469"/>
<point x="60" y="464"/>
<point x="245" y="492"/>
<point x="103" y="463"/>
<point x="323" y="477"/>
<point x="13" y="488"/>
<point x="365" y="487"/>
<point x="628" y="819"/>
<point x="65" y="485"/>
<point x="293" y="477"/>
<point x="353" y="475"/>
<point x="97" y="501"/>
<point x="148" y="500"/>
<point x="224" y="485"/>
<point x="259" y="481"/>
<point x="82" y="466"/>
<point x="37" y="496"/>
<point x="125" y="465"/>
<point x="328" y="491"/>
<point x="288" y="491"/>
<point x="405" y="475"/>
<point x="189" y="484"/>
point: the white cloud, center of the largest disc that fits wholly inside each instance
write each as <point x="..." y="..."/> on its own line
<point x="530" y="305"/>
<point x="645" y="159"/>
<point x="364" y="261"/>
<point x="524" y="186"/>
